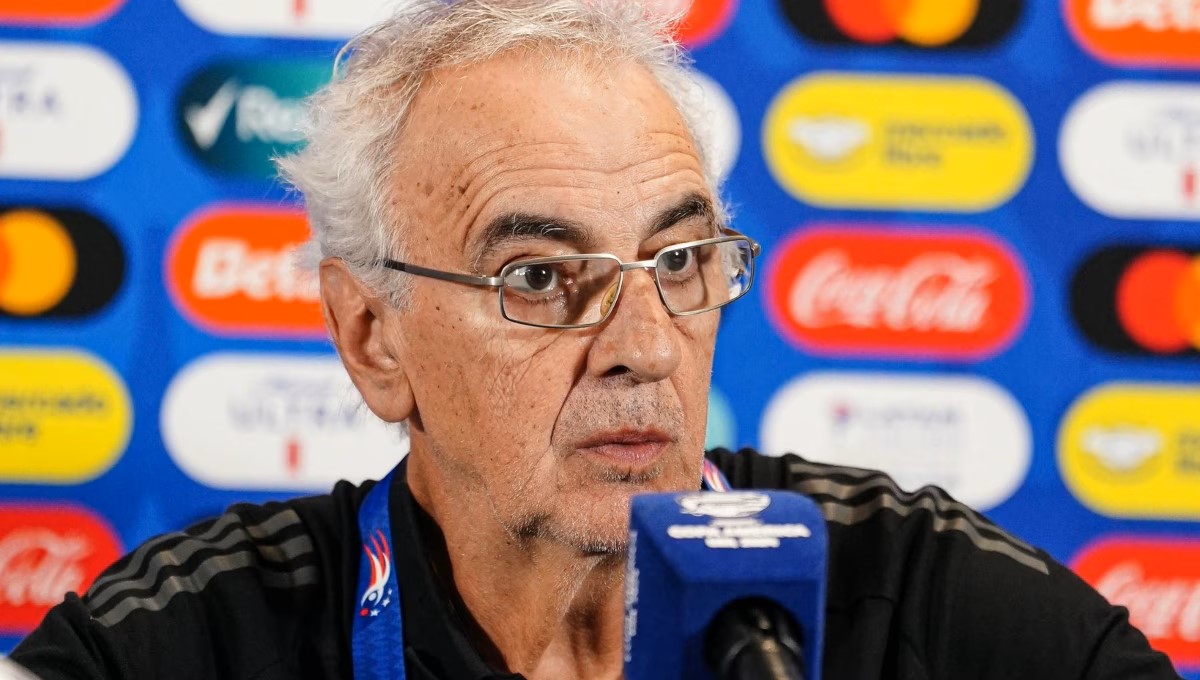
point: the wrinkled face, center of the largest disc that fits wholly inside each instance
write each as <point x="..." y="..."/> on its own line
<point x="556" y="429"/>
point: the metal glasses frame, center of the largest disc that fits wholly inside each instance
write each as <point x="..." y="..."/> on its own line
<point x="498" y="280"/>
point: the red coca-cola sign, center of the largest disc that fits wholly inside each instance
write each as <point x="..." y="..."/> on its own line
<point x="862" y="290"/>
<point x="1158" y="581"/>
<point x="47" y="551"/>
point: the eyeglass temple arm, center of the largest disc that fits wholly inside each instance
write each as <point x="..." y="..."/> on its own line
<point x="489" y="281"/>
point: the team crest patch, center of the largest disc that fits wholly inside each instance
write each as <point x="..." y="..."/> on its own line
<point x="378" y="595"/>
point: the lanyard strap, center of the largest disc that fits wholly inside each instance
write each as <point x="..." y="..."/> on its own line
<point x="378" y="632"/>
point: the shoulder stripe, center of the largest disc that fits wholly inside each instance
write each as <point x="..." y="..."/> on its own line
<point x="198" y="579"/>
<point x="840" y="504"/>
<point x="138" y="560"/>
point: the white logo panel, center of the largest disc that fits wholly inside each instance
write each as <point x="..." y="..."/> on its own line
<point x="67" y="112"/>
<point x="1132" y="150"/>
<point x="964" y="434"/>
<point x="289" y="18"/>
<point x="259" y="421"/>
<point x="719" y="120"/>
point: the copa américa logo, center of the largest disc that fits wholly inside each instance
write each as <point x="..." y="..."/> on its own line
<point x="234" y="117"/>
<point x="67" y="111"/>
<point x="46" y="551"/>
<point x="918" y="293"/>
<point x="56" y="263"/>
<point x="1137" y="32"/>
<point x="1128" y="149"/>
<point x="1133" y="450"/>
<point x="65" y="416"/>
<point x="274" y="421"/>
<point x="1158" y="581"/>
<point x="920" y="23"/>
<point x="231" y="271"/>
<point x="289" y="18"/>
<point x="1140" y="300"/>
<point x="859" y="140"/>
<point x="57" y="12"/>
<point x="965" y="434"/>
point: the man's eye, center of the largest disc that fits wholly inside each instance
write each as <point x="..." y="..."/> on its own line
<point x="534" y="278"/>
<point x="676" y="261"/>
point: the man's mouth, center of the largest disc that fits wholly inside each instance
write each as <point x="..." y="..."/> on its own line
<point x="632" y="448"/>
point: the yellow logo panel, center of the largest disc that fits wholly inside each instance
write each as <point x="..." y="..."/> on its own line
<point x="842" y="140"/>
<point x="65" y="417"/>
<point x="1133" y="450"/>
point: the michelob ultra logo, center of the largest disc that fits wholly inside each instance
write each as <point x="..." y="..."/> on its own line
<point x="289" y="18"/>
<point x="842" y="140"/>
<point x="1137" y="32"/>
<point x="1132" y="150"/>
<point x="272" y="421"/>
<point x="1133" y="450"/>
<point x="1140" y="300"/>
<point x="67" y="111"/>
<point x="65" y="416"/>
<point x="922" y="23"/>
<point x="868" y="290"/>
<point x="1158" y="581"/>
<point x="59" y="12"/>
<point x="56" y="263"/>
<point x="46" y="551"/>
<point x="235" y="117"/>
<point x="231" y="271"/>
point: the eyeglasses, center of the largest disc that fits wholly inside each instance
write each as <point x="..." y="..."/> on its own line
<point x="577" y="291"/>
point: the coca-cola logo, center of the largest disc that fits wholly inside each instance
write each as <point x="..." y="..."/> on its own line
<point x="841" y="290"/>
<point x="1158" y="581"/>
<point x="47" y="551"/>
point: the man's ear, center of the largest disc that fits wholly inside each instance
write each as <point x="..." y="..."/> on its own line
<point x="354" y="318"/>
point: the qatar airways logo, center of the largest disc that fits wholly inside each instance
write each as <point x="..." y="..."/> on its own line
<point x="872" y="291"/>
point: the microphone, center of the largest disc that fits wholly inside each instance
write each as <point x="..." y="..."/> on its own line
<point x="725" y="586"/>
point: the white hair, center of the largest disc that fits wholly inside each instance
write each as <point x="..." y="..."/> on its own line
<point x="346" y="170"/>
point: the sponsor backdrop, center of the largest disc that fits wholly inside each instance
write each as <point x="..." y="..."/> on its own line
<point x="981" y="231"/>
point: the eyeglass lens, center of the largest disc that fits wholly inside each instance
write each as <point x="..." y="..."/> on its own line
<point x="577" y="292"/>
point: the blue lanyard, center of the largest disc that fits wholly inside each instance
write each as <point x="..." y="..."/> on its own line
<point x="378" y="631"/>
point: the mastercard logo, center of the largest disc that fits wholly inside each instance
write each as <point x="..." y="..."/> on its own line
<point x="920" y="23"/>
<point x="230" y="271"/>
<point x="1137" y="32"/>
<point x="59" y="12"/>
<point x="1140" y="300"/>
<point x="56" y="264"/>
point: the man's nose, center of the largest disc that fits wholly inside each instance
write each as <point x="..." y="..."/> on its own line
<point x="640" y="336"/>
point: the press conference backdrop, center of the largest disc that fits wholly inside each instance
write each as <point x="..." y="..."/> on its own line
<point x="981" y="271"/>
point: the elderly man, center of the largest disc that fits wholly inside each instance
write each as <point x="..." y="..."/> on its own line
<point x="522" y="254"/>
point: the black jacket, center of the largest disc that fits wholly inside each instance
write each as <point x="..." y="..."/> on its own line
<point x="920" y="588"/>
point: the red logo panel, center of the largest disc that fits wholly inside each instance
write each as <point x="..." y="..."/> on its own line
<point x="1159" y="582"/>
<point x="870" y="291"/>
<point x="47" y="551"/>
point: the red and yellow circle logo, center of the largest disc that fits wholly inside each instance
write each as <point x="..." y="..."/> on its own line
<point x="37" y="262"/>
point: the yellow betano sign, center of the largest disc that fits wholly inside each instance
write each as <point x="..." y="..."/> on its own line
<point x="65" y="417"/>
<point x="1133" y="450"/>
<point x="841" y="140"/>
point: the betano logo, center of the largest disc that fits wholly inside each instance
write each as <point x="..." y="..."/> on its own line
<point x="957" y="294"/>
<point x="964" y="434"/>
<point x="1138" y="32"/>
<point x="1158" y="581"/>
<point x="46" y="551"/>
<point x="67" y="112"/>
<point x="234" y="117"/>
<point x="1133" y="450"/>
<point x="840" y="140"/>
<point x="271" y="421"/>
<point x="231" y="271"/>
<point x="922" y="23"/>
<point x="65" y="416"/>
<point x="56" y="264"/>
<point x="1132" y="150"/>
<point x="289" y="18"/>
<point x="1140" y="300"/>
<point x="57" y="12"/>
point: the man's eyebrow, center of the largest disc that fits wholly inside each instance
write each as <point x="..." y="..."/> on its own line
<point x="693" y="205"/>
<point x="526" y="226"/>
